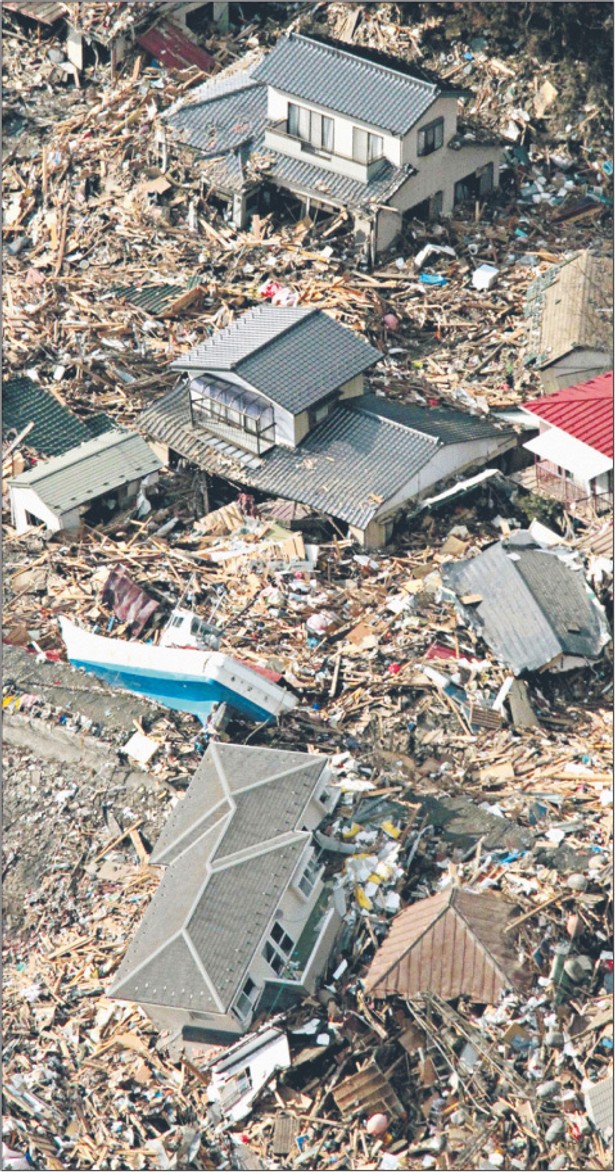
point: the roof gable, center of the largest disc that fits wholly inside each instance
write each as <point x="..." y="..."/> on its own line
<point x="451" y="944"/>
<point x="570" y="307"/>
<point x="381" y="91"/>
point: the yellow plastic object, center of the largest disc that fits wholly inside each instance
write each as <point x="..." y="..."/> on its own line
<point x="391" y="830"/>
<point x="363" y="900"/>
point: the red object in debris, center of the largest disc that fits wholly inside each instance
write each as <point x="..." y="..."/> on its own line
<point x="390" y="321"/>
<point x="584" y="411"/>
<point x="377" y="1124"/>
<point x="173" y="49"/>
<point x="433" y="402"/>
<point x="394" y="668"/>
<point x="274" y="676"/>
<point x="270" y="288"/>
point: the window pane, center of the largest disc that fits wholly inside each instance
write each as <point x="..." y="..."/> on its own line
<point x="304" y="123"/>
<point x="359" y="145"/>
<point x="293" y="118"/>
<point x="438" y="135"/>
<point x="421" y="142"/>
<point x="327" y="134"/>
<point x="316" y="129"/>
<point x="374" y="147"/>
<point x="276" y="932"/>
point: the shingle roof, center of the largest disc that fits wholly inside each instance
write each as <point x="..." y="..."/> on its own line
<point x="584" y="411"/>
<point x="55" y="427"/>
<point x="295" y="356"/>
<point x="379" y="91"/>
<point x="451" y="944"/>
<point x="442" y="423"/>
<point x="93" y="469"/>
<point x="570" y="307"/>
<point x="212" y="909"/>
<point x="535" y="607"/>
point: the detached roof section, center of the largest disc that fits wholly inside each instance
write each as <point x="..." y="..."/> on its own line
<point x="55" y="429"/>
<point x="382" y="91"/>
<point x="584" y="411"/>
<point x="173" y="49"/>
<point x="535" y="605"/>
<point x="452" y="944"/>
<point x="93" y="469"/>
<point x="570" y="307"/>
<point x="295" y="356"/>
<point x="233" y="843"/>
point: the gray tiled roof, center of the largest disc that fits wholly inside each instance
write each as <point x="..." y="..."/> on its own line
<point x="313" y="180"/>
<point x="295" y="356"/>
<point x="93" y="469"/>
<point x="531" y="604"/>
<point x="384" y="96"/>
<point x="210" y="913"/>
<point x="442" y="423"/>
<point x="55" y="427"/>
<point x="222" y="120"/>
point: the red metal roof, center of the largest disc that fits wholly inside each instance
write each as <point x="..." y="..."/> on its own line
<point x="173" y="49"/>
<point x="584" y="411"/>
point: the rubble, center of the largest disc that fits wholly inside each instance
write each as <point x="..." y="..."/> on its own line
<point x="454" y="778"/>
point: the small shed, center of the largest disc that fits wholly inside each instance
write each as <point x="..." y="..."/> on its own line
<point x="58" y="493"/>
<point x="569" y="312"/>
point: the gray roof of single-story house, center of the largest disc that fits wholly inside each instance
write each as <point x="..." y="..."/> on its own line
<point x="383" y="91"/>
<point x="92" y="469"/>
<point x="295" y="356"/>
<point x="233" y="844"/>
<point x="346" y="467"/>
<point x="221" y="115"/>
<point x="535" y="603"/>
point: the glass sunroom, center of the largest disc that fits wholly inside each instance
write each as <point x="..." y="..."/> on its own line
<point x="234" y="413"/>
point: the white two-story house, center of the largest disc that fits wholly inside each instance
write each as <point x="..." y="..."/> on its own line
<point x="242" y="921"/>
<point x="339" y="126"/>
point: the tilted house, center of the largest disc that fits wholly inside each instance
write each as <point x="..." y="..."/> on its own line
<point x="339" y="126"/>
<point x="573" y="450"/>
<point x="242" y="919"/>
<point x="276" y="402"/>
<point x="569" y="312"/>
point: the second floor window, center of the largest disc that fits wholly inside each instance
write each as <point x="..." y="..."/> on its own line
<point x="366" y="147"/>
<point x="278" y="948"/>
<point x="307" y="880"/>
<point x="431" y="137"/>
<point x="310" y="127"/>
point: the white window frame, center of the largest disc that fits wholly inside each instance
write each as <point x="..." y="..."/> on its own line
<point x="366" y="147"/>
<point x="430" y="137"/>
<point x="279" y="948"/>
<point x="309" y="875"/>
<point x="311" y="127"/>
<point x="247" y="999"/>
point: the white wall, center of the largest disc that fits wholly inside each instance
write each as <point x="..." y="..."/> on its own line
<point x="441" y="170"/>
<point x="447" y="461"/>
<point x="277" y="108"/>
<point x="26" y="500"/>
<point x="442" y="108"/>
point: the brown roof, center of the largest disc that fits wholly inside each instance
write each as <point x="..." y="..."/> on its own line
<point x="452" y="944"/>
<point x="569" y="307"/>
<point x="45" y="13"/>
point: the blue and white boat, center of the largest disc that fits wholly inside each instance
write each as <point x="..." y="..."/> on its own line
<point x="187" y="679"/>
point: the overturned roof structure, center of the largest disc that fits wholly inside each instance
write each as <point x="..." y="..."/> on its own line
<point x="453" y="944"/>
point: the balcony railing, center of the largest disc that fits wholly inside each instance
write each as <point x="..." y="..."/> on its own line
<point x="277" y="138"/>
<point x="245" y="431"/>
<point x="544" y="477"/>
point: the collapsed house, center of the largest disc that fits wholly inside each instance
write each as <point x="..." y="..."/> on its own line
<point x="453" y="944"/>
<point x="276" y="402"/>
<point x="242" y="922"/>
<point x="339" y="127"/>
<point x="569" y="314"/>
<point x="573" y="451"/>
<point x="86" y="482"/>
<point x="532" y="605"/>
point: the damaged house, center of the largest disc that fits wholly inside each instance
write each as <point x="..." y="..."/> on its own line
<point x="86" y="483"/>
<point x="340" y="127"/>
<point x="573" y="450"/>
<point x="569" y="313"/>
<point x="276" y="402"/>
<point x="532" y="605"/>
<point x="242" y="921"/>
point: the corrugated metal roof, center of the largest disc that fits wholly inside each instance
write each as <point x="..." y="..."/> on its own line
<point x="93" y="469"/>
<point x="295" y="356"/>
<point x="56" y="428"/>
<point x="442" y="423"/>
<point x="206" y="905"/>
<point x="584" y="411"/>
<point x="313" y="180"/>
<point x="222" y="121"/>
<point x="570" y="307"/>
<point x="534" y="607"/>
<point x="451" y="944"/>
<point x="338" y="77"/>
<point x="173" y="49"/>
<point x="159" y="299"/>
